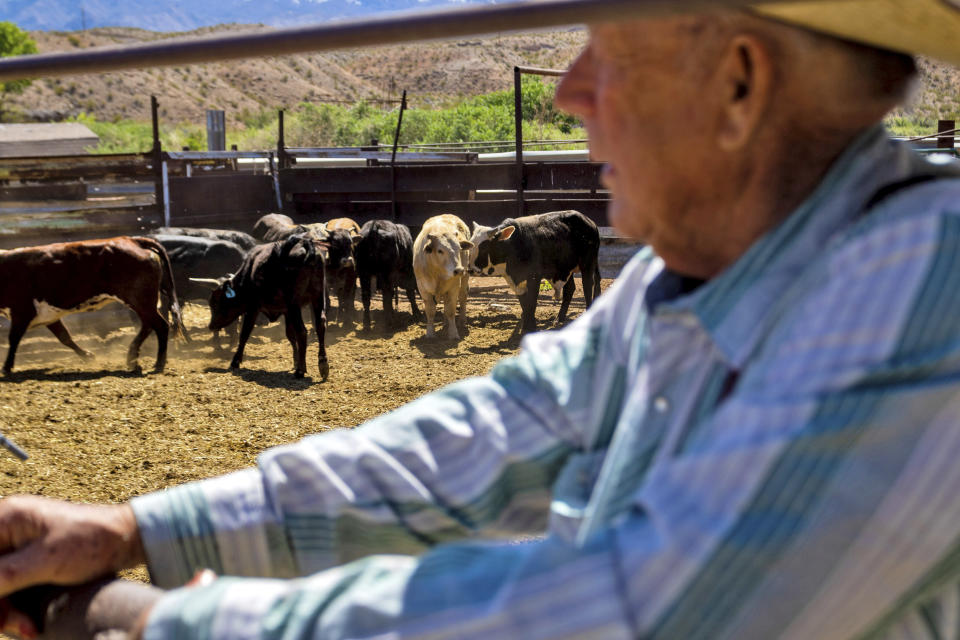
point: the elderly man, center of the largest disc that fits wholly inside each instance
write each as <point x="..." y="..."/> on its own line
<point x="753" y="434"/>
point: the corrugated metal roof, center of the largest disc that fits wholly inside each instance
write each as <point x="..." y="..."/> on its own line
<point x="42" y="131"/>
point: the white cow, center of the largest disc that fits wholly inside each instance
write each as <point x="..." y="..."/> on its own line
<point x="440" y="255"/>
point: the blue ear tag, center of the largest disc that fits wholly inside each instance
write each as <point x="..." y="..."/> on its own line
<point x="230" y="292"/>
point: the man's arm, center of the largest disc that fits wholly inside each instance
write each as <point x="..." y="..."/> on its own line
<point x="479" y="456"/>
<point x="817" y="528"/>
<point x="818" y="501"/>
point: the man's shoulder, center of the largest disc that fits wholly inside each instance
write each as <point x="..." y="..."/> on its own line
<point x="919" y="216"/>
<point x="879" y="295"/>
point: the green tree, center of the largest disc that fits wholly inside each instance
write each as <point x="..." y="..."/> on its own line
<point x="13" y="42"/>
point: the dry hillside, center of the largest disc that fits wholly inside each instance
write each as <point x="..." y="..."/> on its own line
<point x="430" y="72"/>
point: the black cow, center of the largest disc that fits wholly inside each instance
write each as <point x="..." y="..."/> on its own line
<point x="195" y="257"/>
<point x="550" y="246"/>
<point x="341" y="273"/>
<point x="277" y="226"/>
<point x="197" y="262"/>
<point x="244" y="240"/>
<point x="40" y="285"/>
<point x="276" y="279"/>
<point x="384" y="251"/>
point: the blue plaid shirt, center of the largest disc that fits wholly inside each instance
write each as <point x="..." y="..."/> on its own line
<point x="772" y="453"/>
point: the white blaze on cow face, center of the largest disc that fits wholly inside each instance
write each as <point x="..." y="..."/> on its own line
<point x="48" y="314"/>
<point x="480" y="234"/>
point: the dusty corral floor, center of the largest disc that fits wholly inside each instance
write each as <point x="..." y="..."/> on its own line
<point x="96" y="432"/>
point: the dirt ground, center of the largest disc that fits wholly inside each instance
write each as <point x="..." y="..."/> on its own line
<point x="95" y="432"/>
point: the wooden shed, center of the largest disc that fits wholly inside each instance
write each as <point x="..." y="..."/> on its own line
<point x="45" y="139"/>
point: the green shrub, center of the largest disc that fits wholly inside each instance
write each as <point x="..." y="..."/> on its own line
<point x="476" y="119"/>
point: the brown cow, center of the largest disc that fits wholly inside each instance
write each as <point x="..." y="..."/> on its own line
<point x="347" y="224"/>
<point x="41" y="285"/>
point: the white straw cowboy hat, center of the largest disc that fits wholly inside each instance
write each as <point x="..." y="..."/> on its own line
<point x="924" y="27"/>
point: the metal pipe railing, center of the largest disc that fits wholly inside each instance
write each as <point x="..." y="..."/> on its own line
<point x="378" y="30"/>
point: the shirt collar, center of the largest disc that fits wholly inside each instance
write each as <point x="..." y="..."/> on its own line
<point x="736" y="306"/>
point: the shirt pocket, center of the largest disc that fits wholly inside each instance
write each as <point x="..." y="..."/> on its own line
<point x="572" y="491"/>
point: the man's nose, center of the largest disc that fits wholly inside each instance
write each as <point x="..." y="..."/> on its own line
<point x="575" y="93"/>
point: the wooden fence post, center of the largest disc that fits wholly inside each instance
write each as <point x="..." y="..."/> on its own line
<point x="157" y="153"/>
<point x="948" y="129"/>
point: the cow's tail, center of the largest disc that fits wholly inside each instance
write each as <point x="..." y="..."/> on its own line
<point x="167" y="287"/>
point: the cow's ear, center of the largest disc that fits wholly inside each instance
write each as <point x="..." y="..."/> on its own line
<point x="506" y="232"/>
<point x="466" y="244"/>
<point x="355" y="240"/>
<point x="230" y="293"/>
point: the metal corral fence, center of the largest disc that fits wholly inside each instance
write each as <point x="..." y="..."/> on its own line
<point x="74" y="197"/>
<point x="216" y="191"/>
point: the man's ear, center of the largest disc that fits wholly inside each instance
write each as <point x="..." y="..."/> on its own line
<point x="746" y="83"/>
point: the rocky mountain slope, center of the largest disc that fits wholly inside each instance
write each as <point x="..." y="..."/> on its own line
<point x="433" y="73"/>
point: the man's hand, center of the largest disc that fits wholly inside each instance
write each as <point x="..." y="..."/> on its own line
<point x="54" y="542"/>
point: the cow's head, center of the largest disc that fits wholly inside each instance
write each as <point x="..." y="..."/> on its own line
<point x="443" y="253"/>
<point x="488" y="256"/>
<point x="340" y="252"/>
<point x="225" y="303"/>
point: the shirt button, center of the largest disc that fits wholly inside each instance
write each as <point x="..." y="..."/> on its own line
<point x="661" y="404"/>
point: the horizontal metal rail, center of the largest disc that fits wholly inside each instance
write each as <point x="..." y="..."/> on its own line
<point x="537" y="71"/>
<point x="487" y="143"/>
<point x="378" y="30"/>
<point x="216" y="155"/>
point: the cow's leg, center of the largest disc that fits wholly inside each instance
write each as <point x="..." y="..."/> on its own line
<point x="320" y="325"/>
<point x="587" y="272"/>
<point x="133" y="352"/>
<point x="18" y="327"/>
<point x="568" y="289"/>
<point x="430" y="309"/>
<point x="450" y="312"/>
<point x="162" y="329"/>
<point x="246" y="328"/>
<point x="326" y="296"/>
<point x="57" y="329"/>
<point x="349" y="295"/>
<point x="387" y="291"/>
<point x="464" y="291"/>
<point x="412" y="297"/>
<point x="297" y="335"/>
<point x="150" y="320"/>
<point x="528" y="306"/>
<point x="365" y="299"/>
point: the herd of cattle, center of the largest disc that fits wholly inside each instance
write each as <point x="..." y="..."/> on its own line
<point x="285" y="267"/>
